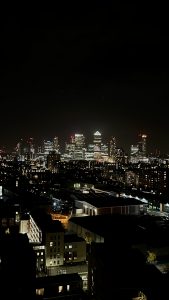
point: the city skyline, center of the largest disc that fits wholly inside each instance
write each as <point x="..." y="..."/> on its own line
<point x="78" y="138"/>
<point x="105" y="68"/>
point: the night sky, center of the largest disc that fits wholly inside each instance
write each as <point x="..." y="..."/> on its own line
<point x="83" y="68"/>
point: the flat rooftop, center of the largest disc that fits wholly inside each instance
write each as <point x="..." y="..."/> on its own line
<point x="105" y="200"/>
<point x="137" y="229"/>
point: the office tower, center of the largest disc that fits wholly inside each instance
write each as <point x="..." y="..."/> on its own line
<point x="134" y="153"/>
<point x="25" y="149"/>
<point x="142" y="145"/>
<point x="31" y="148"/>
<point x="79" y="141"/>
<point x="52" y="161"/>
<point x="76" y="148"/>
<point x="112" y="148"/>
<point x="97" y="140"/>
<point x="69" y="150"/>
<point x="56" y="144"/>
<point x="47" y="147"/>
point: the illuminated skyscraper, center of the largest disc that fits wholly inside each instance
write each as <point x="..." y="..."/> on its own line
<point x="76" y="148"/>
<point x="48" y="147"/>
<point x="142" y="144"/>
<point x="97" y="140"/>
<point x="79" y="140"/>
<point x="112" y="148"/>
<point x="134" y="153"/>
<point x="56" y="144"/>
<point x="79" y="146"/>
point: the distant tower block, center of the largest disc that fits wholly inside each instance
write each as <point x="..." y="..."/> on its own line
<point x="97" y="140"/>
<point x="142" y="144"/>
<point x="112" y="147"/>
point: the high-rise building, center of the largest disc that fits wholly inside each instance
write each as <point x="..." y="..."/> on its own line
<point x="79" y="140"/>
<point x="97" y="140"/>
<point x="52" y="161"/>
<point x="142" y="144"/>
<point x="112" y="148"/>
<point x="134" y="154"/>
<point x="48" y="147"/>
<point x="56" y="146"/>
<point x="79" y="146"/>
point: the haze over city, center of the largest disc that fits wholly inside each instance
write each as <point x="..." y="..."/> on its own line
<point x="99" y="67"/>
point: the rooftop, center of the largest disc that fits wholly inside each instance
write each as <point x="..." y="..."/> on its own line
<point x="130" y="228"/>
<point x="105" y="200"/>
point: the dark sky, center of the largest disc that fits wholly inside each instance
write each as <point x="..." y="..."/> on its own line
<point x="83" y="68"/>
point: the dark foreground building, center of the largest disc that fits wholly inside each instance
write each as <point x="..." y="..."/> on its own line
<point x="17" y="267"/>
<point x="65" y="286"/>
<point x="117" y="272"/>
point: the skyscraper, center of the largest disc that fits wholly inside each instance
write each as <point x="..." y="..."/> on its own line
<point x="97" y="140"/>
<point x="56" y="144"/>
<point x="79" y="141"/>
<point x="112" y="148"/>
<point x="142" y="145"/>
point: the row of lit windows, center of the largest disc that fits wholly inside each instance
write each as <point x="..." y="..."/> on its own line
<point x="39" y="253"/>
<point x="69" y="246"/>
<point x="40" y="292"/>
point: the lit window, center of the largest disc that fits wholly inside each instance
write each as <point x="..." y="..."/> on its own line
<point x="37" y="253"/>
<point x="60" y="288"/>
<point x="70" y="246"/>
<point x="65" y="247"/>
<point x="68" y="287"/>
<point x="41" y="259"/>
<point x="41" y="253"/>
<point x="40" y="292"/>
<point x="51" y="244"/>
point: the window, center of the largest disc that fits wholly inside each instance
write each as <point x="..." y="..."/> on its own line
<point x="41" y="253"/>
<point x="70" y="246"/>
<point x="37" y="253"/>
<point x="60" y="288"/>
<point x="51" y="244"/>
<point x="68" y="287"/>
<point x="58" y="262"/>
<point x="41" y="259"/>
<point x="40" y="292"/>
<point x="65" y="246"/>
